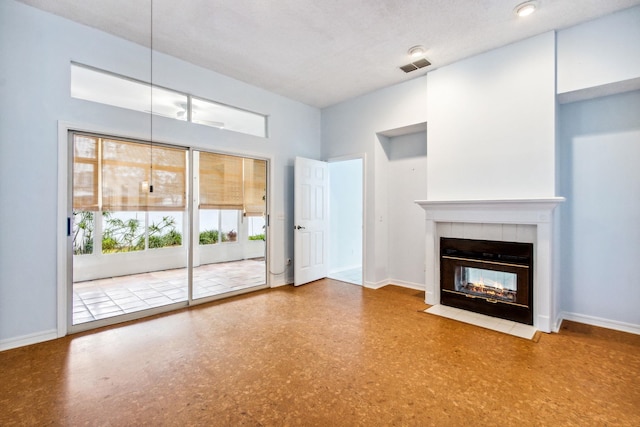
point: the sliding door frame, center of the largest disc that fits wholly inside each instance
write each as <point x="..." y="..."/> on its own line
<point x="192" y="221"/>
<point x="64" y="255"/>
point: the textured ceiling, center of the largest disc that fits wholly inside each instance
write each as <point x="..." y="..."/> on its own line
<point x="323" y="52"/>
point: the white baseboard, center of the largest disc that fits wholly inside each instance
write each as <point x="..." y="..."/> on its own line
<point x="405" y="284"/>
<point x="600" y="322"/>
<point x="556" y="327"/>
<point x="401" y="283"/>
<point x="542" y="323"/>
<point x="376" y="285"/>
<point x="29" y="339"/>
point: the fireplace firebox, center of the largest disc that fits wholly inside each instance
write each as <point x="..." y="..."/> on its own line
<point x="488" y="277"/>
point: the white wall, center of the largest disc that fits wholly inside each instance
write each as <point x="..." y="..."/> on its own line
<point x="492" y="124"/>
<point x="600" y="241"/>
<point x="345" y="215"/>
<point x="35" y="52"/>
<point x="351" y="127"/>
<point x="600" y="53"/>
<point x="406" y="184"/>
<point x="499" y="102"/>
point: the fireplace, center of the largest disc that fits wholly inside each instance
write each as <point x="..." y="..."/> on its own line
<point x="488" y="277"/>
<point x="508" y="220"/>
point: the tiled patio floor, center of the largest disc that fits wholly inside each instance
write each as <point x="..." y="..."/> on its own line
<point x="102" y="298"/>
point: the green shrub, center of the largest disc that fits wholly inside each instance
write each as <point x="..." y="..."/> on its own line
<point x="172" y="238"/>
<point x="257" y="237"/>
<point x="155" y="242"/>
<point x="121" y="235"/>
<point x="109" y="244"/>
<point x="208" y="237"/>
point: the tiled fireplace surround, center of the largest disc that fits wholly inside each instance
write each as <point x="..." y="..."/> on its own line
<point x="514" y="220"/>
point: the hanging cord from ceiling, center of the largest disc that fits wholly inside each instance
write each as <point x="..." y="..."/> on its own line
<point x="151" y="98"/>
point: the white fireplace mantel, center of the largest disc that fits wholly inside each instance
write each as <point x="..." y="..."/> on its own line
<point x="537" y="212"/>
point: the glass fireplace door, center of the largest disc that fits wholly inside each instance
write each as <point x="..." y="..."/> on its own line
<point x="488" y="277"/>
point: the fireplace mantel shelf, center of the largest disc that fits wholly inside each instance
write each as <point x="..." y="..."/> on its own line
<point x="505" y="211"/>
<point x="533" y="211"/>
<point x="492" y="202"/>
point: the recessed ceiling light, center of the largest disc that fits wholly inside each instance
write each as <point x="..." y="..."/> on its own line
<point x="416" y="51"/>
<point x="526" y="8"/>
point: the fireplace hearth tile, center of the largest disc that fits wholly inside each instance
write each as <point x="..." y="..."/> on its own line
<point x="487" y="322"/>
<point x="436" y="309"/>
<point x="504" y="326"/>
<point x="523" y="331"/>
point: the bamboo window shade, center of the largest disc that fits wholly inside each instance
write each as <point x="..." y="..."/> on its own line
<point x="126" y="171"/>
<point x="255" y="187"/>
<point x="220" y="181"/>
<point x="85" y="173"/>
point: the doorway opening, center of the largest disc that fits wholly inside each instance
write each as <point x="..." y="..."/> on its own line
<point x="346" y="201"/>
<point x="328" y="220"/>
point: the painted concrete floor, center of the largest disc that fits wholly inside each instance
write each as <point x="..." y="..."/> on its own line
<point x="114" y="296"/>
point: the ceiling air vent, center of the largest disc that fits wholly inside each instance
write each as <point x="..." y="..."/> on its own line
<point x="421" y="63"/>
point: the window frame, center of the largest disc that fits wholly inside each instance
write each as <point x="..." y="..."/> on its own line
<point x="167" y="110"/>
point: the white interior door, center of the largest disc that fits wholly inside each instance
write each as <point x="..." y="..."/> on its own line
<point x="311" y="189"/>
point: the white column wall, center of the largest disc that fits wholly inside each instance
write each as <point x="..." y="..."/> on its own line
<point x="491" y="122"/>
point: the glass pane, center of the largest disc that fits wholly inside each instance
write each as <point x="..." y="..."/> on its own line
<point x="209" y="220"/>
<point x="225" y="117"/>
<point x="256" y="227"/>
<point x="130" y="258"/>
<point x="169" y="179"/>
<point x="255" y="187"/>
<point x="83" y="226"/>
<point x="170" y="104"/>
<point x="128" y="170"/>
<point x="220" y="178"/>
<point x="229" y="225"/>
<point x="85" y="173"/>
<point x="487" y="283"/>
<point x="106" y="88"/>
<point x="165" y="229"/>
<point x="125" y="170"/>
<point x="123" y="232"/>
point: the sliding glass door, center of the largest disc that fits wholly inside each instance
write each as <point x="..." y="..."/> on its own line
<point x="229" y="227"/>
<point x="133" y="228"/>
<point x="129" y="227"/>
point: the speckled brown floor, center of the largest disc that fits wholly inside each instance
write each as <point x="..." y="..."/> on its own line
<point x="324" y="354"/>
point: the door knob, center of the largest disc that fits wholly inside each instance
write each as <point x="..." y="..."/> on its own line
<point x="298" y="227"/>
